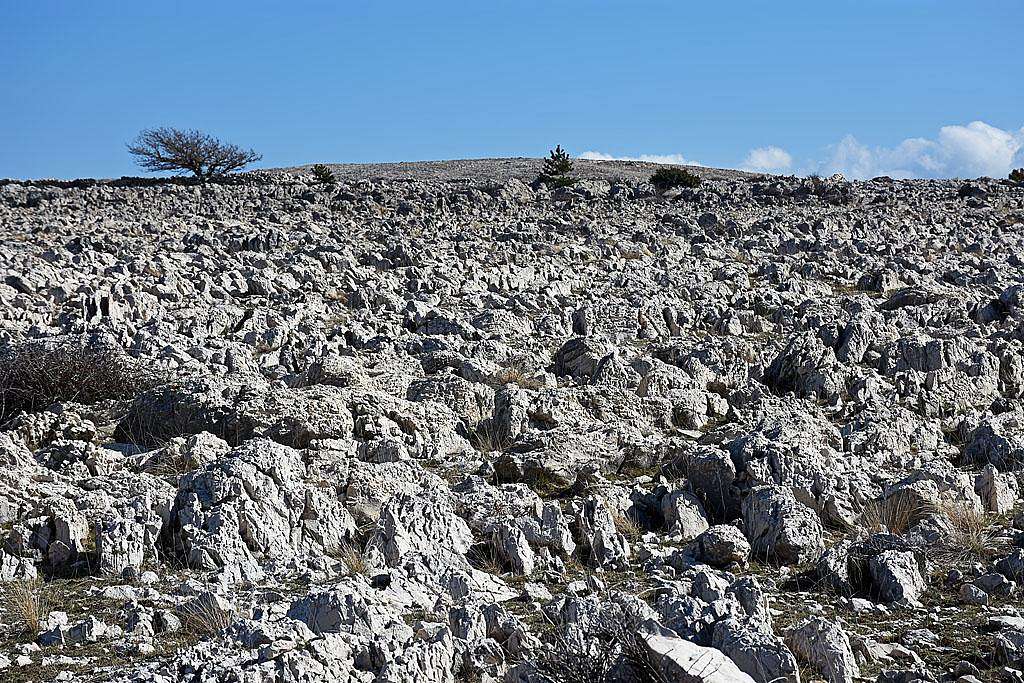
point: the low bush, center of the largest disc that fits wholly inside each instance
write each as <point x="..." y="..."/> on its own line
<point x="1017" y="175"/>
<point x="669" y="178"/>
<point x="36" y="374"/>
<point x="611" y="649"/>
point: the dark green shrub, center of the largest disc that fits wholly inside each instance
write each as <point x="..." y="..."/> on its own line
<point x="559" y="181"/>
<point x="669" y="177"/>
<point x="557" y="169"/>
<point x="324" y="175"/>
<point x="1017" y="175"/>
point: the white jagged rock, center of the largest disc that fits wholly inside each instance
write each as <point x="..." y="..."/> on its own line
<point x="438" y="421"/>
<point x="825" y="646"/>
<point x="897" y="577"/>
<point x="680" y="660"/>
<point x="780" y="528"/>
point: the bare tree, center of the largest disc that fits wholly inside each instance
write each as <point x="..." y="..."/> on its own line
<point x="170" y="149"/>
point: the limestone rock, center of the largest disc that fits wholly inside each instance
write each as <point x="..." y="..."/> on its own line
<point x="825" y="646"/>
<point x="780" y="528"/>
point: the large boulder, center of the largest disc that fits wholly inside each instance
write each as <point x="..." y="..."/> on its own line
<point x="824" y="645"/>
<point x="685" y="662"/>
<point x="600" y="542"/>
<point x="762" y="656"/>
<point x="254" y="506"/>
<point x="897" y="577"/>
<point x="998" y="441"/>
<point x="797" y="447"/>
<point x="723" y="545"/>
<point x="683" y="514"/>
<point x="779" y="528"/>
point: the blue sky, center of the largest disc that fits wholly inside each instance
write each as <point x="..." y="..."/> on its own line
<point x="910" y="87"/>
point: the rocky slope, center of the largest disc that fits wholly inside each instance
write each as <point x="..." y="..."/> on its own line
<point x="433" y="424"/>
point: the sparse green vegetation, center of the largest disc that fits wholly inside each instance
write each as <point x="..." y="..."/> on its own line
<point x="668" y="178"/>
<point x="1017" y="175"/>
<point x="323" y="175"/>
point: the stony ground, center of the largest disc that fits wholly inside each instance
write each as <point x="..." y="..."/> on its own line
<point x="434" y="424"/>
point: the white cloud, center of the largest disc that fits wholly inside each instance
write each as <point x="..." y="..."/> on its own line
<point x="650" y="158"/>
<point x="964" y="151"/>
<point x="767" y="160"/>
<point x="975" y="149"/>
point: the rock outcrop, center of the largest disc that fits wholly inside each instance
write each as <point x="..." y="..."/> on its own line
<point x="434" y="424"/>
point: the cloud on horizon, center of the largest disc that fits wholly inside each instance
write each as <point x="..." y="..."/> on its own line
<point x="971" y="150"/>
<point x="767" y="160"/>
<point x="976" y="149"/>
<point x="678" y="159"/>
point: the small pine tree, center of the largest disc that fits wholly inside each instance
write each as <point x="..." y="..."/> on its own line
<point x="324" y="175"/>
<point x="557" y="169"/>
<point x="1017" y="175"/>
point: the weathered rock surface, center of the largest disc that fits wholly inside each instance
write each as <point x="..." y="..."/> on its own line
<point x="436" y="423"/>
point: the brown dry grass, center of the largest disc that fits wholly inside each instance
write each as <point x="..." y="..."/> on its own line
<point x="27" y="603"/>
<point x="205" y="617"/>
<point x="353" y="559"/>
<point x="172" y="464"/>
<point x="517" y="372"/>
<point x="485" y="558"/>
<point x="487" y="438"/>
<point x="626" y="524"/>
<point x="895" y="514"/>
<point x="972" y="535"/>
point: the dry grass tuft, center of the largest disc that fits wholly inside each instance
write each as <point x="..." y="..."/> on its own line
<point x="512" y="374"/>
<point x="485" y="558"/>
<point x="896" y="514"/>
<point x="172" y="463"/>
<point x="353" y="559"/>
<point x="27" y="603"/>
<point x="517" y="372"/>
<point x="205" y="616"/>
<point x="972" y="535"/>
<point x="627" y="525"/>
<point x="487" y="438"/>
